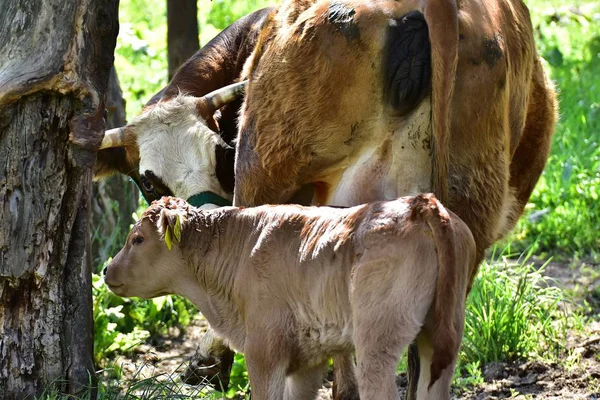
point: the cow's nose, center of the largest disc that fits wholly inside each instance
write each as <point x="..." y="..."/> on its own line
<point x="104" y="271"/>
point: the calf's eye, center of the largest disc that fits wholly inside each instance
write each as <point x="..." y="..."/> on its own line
<point x="137" y="240"/>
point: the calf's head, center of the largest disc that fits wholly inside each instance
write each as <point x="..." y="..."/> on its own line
<point x="150" y="264"/>
<point x="179" y="153"/>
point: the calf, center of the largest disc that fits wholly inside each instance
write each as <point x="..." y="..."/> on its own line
<point x="292" y="286"/>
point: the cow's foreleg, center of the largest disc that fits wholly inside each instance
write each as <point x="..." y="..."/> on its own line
<point x="303" y="385"/>
<point x="345" y="386"/>
<point x="211" y="363"/>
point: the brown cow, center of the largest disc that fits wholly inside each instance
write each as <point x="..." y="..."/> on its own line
<point x="339" y="97"/>
<point x="291" y="286"/>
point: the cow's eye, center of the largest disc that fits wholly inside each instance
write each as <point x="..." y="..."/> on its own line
<point x="137" y="240"/>
<point x="147" y="185"/>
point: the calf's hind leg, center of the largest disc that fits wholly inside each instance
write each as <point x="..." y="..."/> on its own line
<point x="345" y="386"/>
<point x="389" y="308"/>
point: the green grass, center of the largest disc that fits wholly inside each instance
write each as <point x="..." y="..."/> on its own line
<point x="161" y="386"/>
<point x="513" y="313"/>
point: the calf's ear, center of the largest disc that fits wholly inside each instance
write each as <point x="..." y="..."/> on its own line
<point x="170" y="226"/>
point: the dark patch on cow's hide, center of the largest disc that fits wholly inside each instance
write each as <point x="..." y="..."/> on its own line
<point x="343" y="18"/>
<point x="407" y="67"/>
<point x="153" y="188"/>
<point x="225" y="162"/>
<point x="492" y="50"/>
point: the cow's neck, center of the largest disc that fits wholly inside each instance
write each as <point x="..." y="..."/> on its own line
<point x="389" y="167"/>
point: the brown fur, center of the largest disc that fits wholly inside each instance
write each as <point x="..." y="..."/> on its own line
<point x="446" y="338"/>
<point x="290" y="301"/>
<point x="311" y="84"/>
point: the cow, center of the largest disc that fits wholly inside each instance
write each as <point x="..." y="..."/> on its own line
<point x="291" y="286"/>
<point x="369" y="101"/>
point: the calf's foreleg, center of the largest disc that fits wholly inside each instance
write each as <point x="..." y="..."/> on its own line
<point x="304" y="384"/>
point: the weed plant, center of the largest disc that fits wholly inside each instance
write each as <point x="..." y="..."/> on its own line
<point x="513" y="313"/>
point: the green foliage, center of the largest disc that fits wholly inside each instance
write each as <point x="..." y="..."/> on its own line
<point x="513" y="313"/>
<point x="238" y="382"/>
<point x="565" y="211"/>
<point x="141" y="53"/>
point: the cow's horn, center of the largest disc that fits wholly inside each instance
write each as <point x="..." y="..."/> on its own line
<point x="113" y="138"/>
<point x="226" y="94"/>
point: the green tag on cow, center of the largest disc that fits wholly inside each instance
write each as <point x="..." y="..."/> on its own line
<point x="169" y="238"/>
<point x="177" y="230"/>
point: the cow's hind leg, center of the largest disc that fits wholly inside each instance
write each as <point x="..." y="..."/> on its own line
<point x="441" y="388"/>
<point x="211" y="363"/>
<point x="303" y="385"/>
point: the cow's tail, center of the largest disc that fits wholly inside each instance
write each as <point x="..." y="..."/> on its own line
<point x="442" y="21"/>
<point x="445" y="338"/>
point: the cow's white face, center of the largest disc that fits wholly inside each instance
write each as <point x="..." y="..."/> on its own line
<point x="177" y="149"/>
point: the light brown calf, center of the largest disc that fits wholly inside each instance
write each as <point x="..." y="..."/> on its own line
<point x="292" y="286"/>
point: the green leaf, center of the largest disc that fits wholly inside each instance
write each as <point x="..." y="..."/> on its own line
<point x="159" y="302"/>
<point x="177" y="229"/>
<point x="169" y="238"/>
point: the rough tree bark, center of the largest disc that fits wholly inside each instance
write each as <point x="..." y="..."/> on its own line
<point x="182" y="32"/>
<point x="114" y="199"/>
<point x="55" y="58"/>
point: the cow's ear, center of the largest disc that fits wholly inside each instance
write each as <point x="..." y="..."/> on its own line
<point x="225" y="162"/>
<point x="170" y="226"/>
<point x="207" y="114"/>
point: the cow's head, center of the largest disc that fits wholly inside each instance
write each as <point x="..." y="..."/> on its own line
<point x="151" y="262"/>
<point x="179" y="153"/>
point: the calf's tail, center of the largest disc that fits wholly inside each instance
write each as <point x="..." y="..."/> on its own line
<point x="446" y="337"/>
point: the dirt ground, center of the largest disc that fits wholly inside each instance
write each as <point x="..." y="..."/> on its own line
<point x="577" y="376"/>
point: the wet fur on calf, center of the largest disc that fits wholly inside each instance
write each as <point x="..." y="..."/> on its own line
<point x="291" y="286"/>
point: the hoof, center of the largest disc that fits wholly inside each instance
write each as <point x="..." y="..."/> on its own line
<point x="211" y="365"/>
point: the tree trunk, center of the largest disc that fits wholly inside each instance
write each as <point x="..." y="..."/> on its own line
<point x="54" y="69"/>
<point x="182" y="32"/>
<point x="114" y="199"/>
